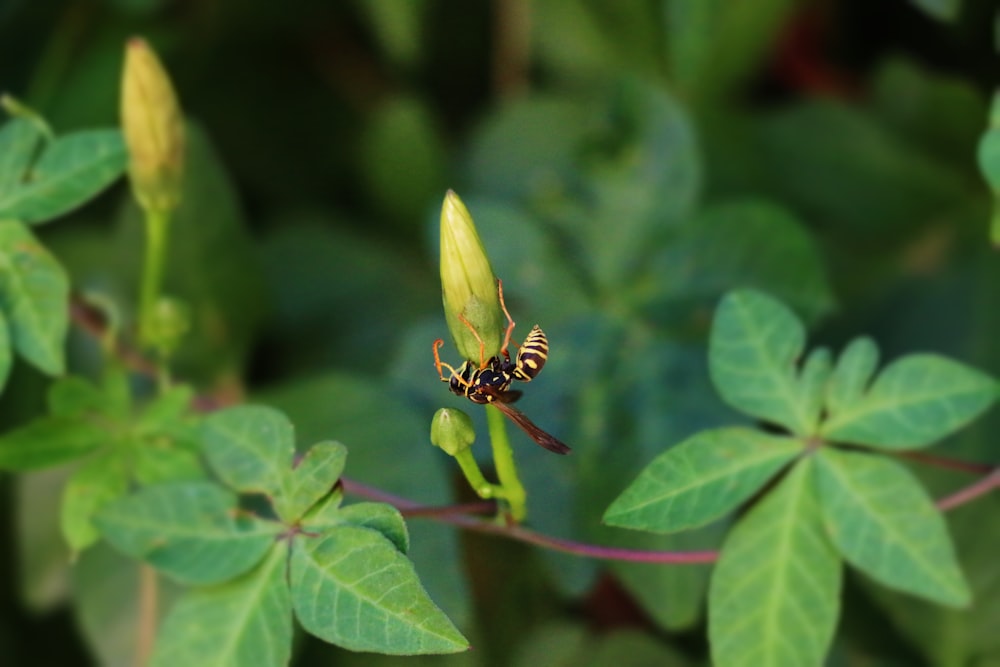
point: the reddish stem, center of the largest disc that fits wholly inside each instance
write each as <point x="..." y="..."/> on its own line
<point x="971" y="492"/>
<point x="948" y="464"/>
<point x="410" y="508"/>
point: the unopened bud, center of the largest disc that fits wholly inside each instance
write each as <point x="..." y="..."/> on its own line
<point x="153" y="126"/>
<point x="170" y="320"/>
<point x="452" y="431"/>
<point x="468" y="286"/>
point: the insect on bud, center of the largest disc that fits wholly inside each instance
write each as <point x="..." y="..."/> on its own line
<point x="153" y="126"/>
<point x="452" y="431"/>
<point x="468" y="286"/>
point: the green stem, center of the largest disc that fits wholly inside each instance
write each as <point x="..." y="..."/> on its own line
<point x="475" y="476"/>
<point x="157" y="227"/>
<point x="503" y="460"/>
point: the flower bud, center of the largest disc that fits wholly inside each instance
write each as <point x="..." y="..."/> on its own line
<point x="468" y="286"/>
<point x="153" y="127"/>
<point x="169" y="321"/>
<point x="452" y="431"/>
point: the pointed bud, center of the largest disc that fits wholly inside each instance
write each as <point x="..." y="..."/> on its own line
<point x="452" y="431"/>
<point x="468" y="286"/>
<point x="154" y="129"/>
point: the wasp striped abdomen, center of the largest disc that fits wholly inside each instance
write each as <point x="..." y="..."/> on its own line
<point x="531" y="356"/>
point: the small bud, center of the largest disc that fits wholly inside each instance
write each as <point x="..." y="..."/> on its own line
<point x="452" y="431"/>
<point x="468" y="285"/>
<point x="154" y="129"/>
<point x="169" y="321"/>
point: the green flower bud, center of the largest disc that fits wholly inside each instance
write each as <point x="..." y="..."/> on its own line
<point x="169" y="321"/>
<point x="452" y="431"/>
<point x="468" y="286"/>
<point x="153" y="127"/>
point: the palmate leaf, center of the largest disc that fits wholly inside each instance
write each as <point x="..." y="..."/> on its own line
<point x="73" y="168"/>
<point x="754" y="346"/>
<point x="34" y="295"/>
<point x="701" y="479"/>
<point x="246" y="622"/>
<point x="914" y="402"/>
<point x="188" y="530"/>
<point x="252" y="449"/>
<point x="249" y="447"/>
<point x="384" y="518"/>
<point x="353" y="587"/>
<point x="311" y="479"/>
<point x="773" y="599"/>
<point x="883" y="523"/>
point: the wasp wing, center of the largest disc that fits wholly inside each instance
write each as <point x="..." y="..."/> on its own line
<point x="545" y="440"/>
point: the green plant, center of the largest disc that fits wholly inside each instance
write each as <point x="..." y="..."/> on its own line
<point x="158" y="345"/>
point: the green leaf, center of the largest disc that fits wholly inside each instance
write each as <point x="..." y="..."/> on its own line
<point x="774" y="595"/>
<point x="250" y="447"/>
<point x="97" y="482"/>
<point x="947" y="636"/>
<point x="384" y="518"/>
<point x="310" y="480"/>
<point x="355" y="409"/>
<point x="73" y="169"/>
<point x="167" y="409"/>
<point x="117" y="390"/>
<point x="158" y="461"/>
<point x="6" y="358"/>
<point x="190" y="531"/>
<point x="75" y="396"/>
<point x="753" y="349"/>
<point x="884" y="524"/>
<point x="34" y="295"/>
<point x="49" y="441"/>
<point x="914" y="402"/>
<point x="18" y="140"/>
<point x="242" y="623"/>
<point x="854" y="370"/>
<point x="816" y="373"/>
<point x="353" y="587"/>
<point x="701" y="479"/>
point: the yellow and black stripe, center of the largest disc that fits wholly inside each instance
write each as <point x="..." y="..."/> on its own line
<point x="531" y="356"/>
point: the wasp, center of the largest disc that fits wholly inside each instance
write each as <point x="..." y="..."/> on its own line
<point x="489" y="382"/>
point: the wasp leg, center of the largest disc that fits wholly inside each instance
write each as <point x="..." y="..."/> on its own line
<point x="510" y="322"/>
<point x="438" y="364"/>
<point x="482" y="343"/>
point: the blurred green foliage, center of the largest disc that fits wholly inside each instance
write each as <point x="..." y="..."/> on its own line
<point x="626" y="165"/>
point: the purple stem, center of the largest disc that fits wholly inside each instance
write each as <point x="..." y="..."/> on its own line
<point x="408" y="507"/>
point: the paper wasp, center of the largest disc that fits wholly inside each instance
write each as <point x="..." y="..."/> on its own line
<point x="489" y="383"/>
